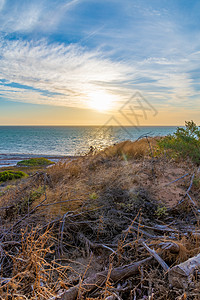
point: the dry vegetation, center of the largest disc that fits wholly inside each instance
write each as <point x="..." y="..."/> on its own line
<point x="86" y="229"/>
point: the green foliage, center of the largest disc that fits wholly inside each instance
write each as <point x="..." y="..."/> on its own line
<point x="7" y="188"/>
<point x="10" y="175"/>
<point x="185" y="142"/>
<point x="22" y="207"/>
<point x="125" y="156"/>
<point x="37" y="193"/>
<point x="196" y="182"/>
<point x="161" y="211"/>
<point x="93" y="196"/>
<point x="40" y="161"/>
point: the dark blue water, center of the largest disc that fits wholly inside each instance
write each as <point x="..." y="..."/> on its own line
<point x="19" y="142"/>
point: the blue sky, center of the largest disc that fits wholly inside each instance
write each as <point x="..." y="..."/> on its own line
<point x="65" y="56"/>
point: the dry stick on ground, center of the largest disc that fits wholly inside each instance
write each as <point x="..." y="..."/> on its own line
<point x="195" y="204"/>
<point x="93" y="245"/>
<point x="99" y="279"/>
<point x="144" y="232"/>
<point x="180" y="276"/>
<point x="176" y="179"/>
<point x="188" y="190"/>
<point x="157" y="227"/>
<point x="60" y="202"/>
<point x="169" y="245"/>
<point x="62" y="230"/>
<point x="157" y="257"/>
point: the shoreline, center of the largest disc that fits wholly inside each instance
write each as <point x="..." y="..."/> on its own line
<point x="11" y="160"/>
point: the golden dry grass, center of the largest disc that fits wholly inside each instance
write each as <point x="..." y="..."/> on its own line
<point x="99" y="196"/>
<point x="129" y="149"/>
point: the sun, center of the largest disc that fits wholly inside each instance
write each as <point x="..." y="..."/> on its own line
<point x="101" y="101"/>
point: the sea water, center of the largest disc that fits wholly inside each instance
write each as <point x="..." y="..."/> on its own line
<point x="20" y="142"/>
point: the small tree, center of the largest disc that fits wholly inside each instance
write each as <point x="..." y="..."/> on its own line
<point x="185" y="142"/>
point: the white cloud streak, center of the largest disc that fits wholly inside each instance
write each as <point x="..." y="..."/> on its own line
<point x="2" y="2"/>
<point x="36" y="15"/>
<point x="158" y="59"/>
<point x="68" y="73"/>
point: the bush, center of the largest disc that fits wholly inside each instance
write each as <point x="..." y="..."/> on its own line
<point x="184" y="143"/>
<point x="10" y="175"/>
<point x="32" y="162"/>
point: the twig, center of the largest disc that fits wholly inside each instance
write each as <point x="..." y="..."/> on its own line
<point x="176" y="179"/>
<point x="94" y="245"/>
<point x="138" y="229"/>
<point x="157" y="257"/>
<point x="59" y="202"/>
<point x="187" y="192"/>
<point x="162" y="228"/>
<point x="191" y="199"/>
<point x="62" y="229"/>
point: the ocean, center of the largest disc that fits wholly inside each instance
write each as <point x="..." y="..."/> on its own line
<point x="56" y="142"/>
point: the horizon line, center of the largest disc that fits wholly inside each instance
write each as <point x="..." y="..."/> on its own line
<point x="26" y="125"/>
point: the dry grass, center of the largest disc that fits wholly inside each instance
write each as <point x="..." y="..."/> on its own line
<point x="127" y="149"/>
<point x="33" y="276"/>
<point x="89" y="202"/>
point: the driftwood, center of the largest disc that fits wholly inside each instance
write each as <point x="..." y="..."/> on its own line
<point x="99" y="279"/>
<point x="180" y="276"/>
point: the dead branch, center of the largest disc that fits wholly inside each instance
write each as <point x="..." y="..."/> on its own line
<point x="171" y="246"/>
<point x="99" y="279"/>
<point x="93" y="245"/>
<point x="177" y="179"/>
<point x="158" y="227"/>
<point x="138" y="229"/>
<point x="191" y="200"/>
<point x="180" y="276"/>
<point x="157" y="257"/>
<point x="188" y="190"/>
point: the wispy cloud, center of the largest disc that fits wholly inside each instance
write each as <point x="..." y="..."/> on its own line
<point x="2" y="2"/>
<point x="115" y="47"/>
<point x="69" y="71"/>
<point x="66" y="75"/>
<point x="37" y="15"/>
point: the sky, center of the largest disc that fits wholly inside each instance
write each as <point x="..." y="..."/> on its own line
<point x="82" y="62"/>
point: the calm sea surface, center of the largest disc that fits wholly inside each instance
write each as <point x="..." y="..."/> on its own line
<point x="19" y="142"/>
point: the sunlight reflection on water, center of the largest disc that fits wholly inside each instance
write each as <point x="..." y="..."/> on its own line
<point x="67" y="141"/>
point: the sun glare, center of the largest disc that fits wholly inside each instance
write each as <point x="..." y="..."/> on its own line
<point x="101" y="100"/>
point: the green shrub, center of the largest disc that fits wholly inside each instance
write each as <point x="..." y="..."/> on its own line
<point x="10" y="175"/>
<point x="40" y="161"/>
<point x="23" y="206"/>
<point x="196" y="182"/>
<point x="161" y="211"/>
<point x="185" y="142"/>
<point x="94" y="196"/>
